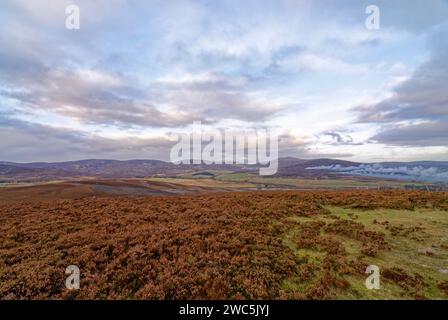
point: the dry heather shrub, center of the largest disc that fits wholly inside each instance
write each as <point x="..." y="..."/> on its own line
<point x="201" y="247"/>
<point x="443" y="286"/>
<point x="393" y="199"/>
<point x="400" y="277"/>
<point x="217" y="246"/>
<point x="372" y="241"/>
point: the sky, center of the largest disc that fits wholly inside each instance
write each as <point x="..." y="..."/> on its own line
<point x="137" y="71"/>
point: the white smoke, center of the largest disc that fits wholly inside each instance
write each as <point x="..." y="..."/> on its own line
<point x="413" y="173"/>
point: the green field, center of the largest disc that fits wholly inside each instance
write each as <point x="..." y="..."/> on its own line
<point x="256" y="181"/>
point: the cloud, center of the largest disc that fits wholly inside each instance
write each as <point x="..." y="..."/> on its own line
<point x="433" y="133"/>
<point x="295" y="146"/>
<point x="308" y="61"/>
<point x="401" y="172"/>
<point x="29" y="142"/>
<point x="147" y="67"/>
<point x="94" y="97"/>
<point x="417" y="112"/>
<point x="55" y="79"/>
<point x="216" y="97"/>
<point x="337" y="138"/>
<point x="291" y="145"/>
<point x="408" y="15"/>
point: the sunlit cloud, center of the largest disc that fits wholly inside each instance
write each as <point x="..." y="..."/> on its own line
<point x="134" y="72"/>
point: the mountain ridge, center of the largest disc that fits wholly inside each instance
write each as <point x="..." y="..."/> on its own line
<point x="135" y="168"/>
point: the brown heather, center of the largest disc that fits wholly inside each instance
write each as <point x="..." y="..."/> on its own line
<point x="218" y="246"/>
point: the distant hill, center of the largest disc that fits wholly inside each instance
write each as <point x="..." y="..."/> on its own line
<point x="288" y="167"/>
<point x="300" y="167"/>
<point x="102" y="168"/>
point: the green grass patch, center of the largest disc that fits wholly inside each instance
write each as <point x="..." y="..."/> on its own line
<point x="418" y="241"/>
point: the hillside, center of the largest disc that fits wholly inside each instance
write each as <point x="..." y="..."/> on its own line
<point x="245" y="245"/>
<point x="431" y="171"/>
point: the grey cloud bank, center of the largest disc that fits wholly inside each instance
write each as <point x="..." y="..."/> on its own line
<point x="136" y="71"/>
<point x="401" y="172"/>
<point x="417" y="112"/>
